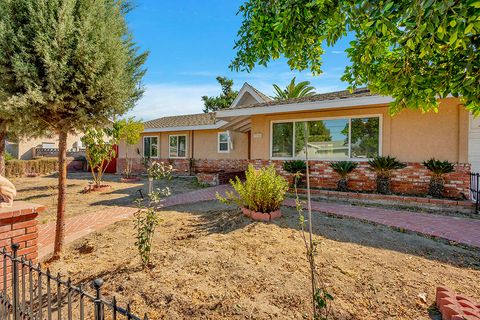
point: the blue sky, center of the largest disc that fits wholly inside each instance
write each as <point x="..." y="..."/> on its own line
<point x="191" y="42"/>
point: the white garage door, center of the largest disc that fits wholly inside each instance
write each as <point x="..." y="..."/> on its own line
<point x="474" y="144"/>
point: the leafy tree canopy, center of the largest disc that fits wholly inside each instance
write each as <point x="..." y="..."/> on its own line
<point x="68" y="64"/>
<point x="415" y="51"/>
<point x="129" y="130"/>
<point x="224" y="100"/>
<point x="294" y="90"/>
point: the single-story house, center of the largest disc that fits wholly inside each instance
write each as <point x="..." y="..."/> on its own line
<point x="342" y="125"/>
<point x="28" y="148"/>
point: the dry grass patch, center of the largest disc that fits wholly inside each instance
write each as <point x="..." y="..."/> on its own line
<point x="210" y="262"/>
<point x="43" y="190"/>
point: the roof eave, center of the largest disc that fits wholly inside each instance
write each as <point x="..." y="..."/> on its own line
<point x="217" y="125"/>
<point x="305" y="106"/>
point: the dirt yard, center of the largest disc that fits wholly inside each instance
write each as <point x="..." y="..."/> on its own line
<point x="43" y="190"/>
<point x="210" y="262"/>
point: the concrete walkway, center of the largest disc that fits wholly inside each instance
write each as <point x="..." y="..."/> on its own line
<point x="457" y="229"/>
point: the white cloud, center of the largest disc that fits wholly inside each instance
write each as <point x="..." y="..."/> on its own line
<point x="162" y="100"/>
<point x="337" y="52"/>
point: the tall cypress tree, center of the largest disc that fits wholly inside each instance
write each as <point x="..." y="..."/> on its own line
<point x="66" y="65"/>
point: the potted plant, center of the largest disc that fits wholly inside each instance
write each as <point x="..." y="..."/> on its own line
<point x="437" y="181"/>
<point x="297" y="168"/>
<point x="343" y="168"/>
<point x="383" y="167"/>
<point x="260" y="195"/>
<point x="129" y="131"/>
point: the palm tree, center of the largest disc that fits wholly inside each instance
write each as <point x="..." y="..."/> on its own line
<point x="294" y="90"/>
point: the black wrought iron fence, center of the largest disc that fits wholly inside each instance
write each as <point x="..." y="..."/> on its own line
<point x="475" y="190"/>
<point x="28" y="292"/>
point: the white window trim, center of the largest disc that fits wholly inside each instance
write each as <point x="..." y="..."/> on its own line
<point x="186" y="146"/>
<point x="158" y="146"/>
<point x="218" y="142"/>
<point x="349" y="118"/>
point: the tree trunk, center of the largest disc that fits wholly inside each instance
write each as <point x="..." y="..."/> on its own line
<point x="3" y="135"/>
<point x="62" y="190"/>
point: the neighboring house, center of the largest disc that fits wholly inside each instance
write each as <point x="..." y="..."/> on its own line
<point x="27" y="149"/>
<point x="342" y="126"/>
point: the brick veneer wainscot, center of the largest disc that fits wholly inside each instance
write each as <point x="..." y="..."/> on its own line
<point x="413" y="179"/>
<point x="18" y="224"/>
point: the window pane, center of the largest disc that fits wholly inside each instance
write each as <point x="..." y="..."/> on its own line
<point x="282" y="140"/>
<point x="365" y="137"/>
<point x="146" y="147"/>
<point x="223" y="137"/>
<point x="173" y="146"/>
<point x="182" y="146"/>
<point x="223" y="146"/>
<point x="154" y="147"/>
<point x="327" y="139"/>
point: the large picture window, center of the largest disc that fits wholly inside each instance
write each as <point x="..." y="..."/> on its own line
<point x="178" y="146"/>
<point x="150" y="147"/>
<point x="330" y="139"/>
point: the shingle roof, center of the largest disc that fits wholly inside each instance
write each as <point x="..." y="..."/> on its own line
<point x="344" y="94"/>
<point x="186" y="120"/>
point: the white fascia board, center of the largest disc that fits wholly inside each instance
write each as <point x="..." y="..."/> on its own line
<point x="217" y="125"/>
<point x="305" y="106"/>
<point x="246" y="88"/>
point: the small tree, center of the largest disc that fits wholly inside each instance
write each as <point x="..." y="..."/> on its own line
<point x="99" y="151"/>
<point x="67" y="65"/>
<point x="146" y="218"/>
<point x="130" y="131"/>
<point x="321" y="299"/>
<point x="224" y="100"/>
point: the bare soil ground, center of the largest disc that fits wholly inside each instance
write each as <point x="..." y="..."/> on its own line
<point x="43" y="190"/>
<point x="210" y="262"/>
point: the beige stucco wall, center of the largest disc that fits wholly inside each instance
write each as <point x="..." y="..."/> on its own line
<point x="204" y="145"/>
<point x="26" y="146"/>
<point x="409" y="136"/>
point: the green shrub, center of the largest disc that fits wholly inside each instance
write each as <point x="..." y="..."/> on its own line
<point x="18" y="168"/>
<point x="439" y="168"/>
<point x="298" y="169"/>
<point x="437" y="182"/>
<point x="8" y="156"/>
<point x="383" y="167"/>
<point x="295" y="166"/>
<point x="343" y="168"/>
<point x="263" y="190"/>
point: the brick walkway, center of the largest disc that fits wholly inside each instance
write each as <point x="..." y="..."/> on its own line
<point x="79" y="226"/>
<point x="461" y="230"/>
<point x="457" y="229"/>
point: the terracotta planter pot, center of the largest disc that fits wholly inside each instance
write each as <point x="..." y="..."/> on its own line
<point x="260" y="216"/>
<point x="129" y="180"/>
<point x="94" y="188"/>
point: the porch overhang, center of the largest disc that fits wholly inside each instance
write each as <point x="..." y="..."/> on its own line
<point x="240" y="124"/>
